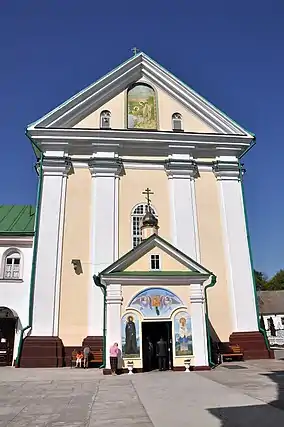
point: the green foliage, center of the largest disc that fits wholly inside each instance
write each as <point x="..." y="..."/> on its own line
<point x="276" y="283"/>
<point x="260" y="281"/>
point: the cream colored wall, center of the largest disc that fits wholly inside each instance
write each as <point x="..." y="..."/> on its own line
<point x="167" y="106"/>
<point x="212" y="252"/>
<point x="115" y="106"/>
<point x="73" y="321"/>
<point x="131" y="187"/>
<point x="167" y="262"/>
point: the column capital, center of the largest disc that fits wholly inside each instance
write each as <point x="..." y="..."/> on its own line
<point x="106" y="167"/>
<point x="196" y="293"/>
<point x="114" y="294"/>
<point x="56" y="166"/>
<point x="227" y="171"/>
<point x="183" y="169"/>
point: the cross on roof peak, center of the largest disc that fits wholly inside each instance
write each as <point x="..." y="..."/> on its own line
<point x="147" y="192"/>
<point x="135" y="50"/>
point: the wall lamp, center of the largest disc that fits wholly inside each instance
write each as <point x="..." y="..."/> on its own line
<point x="77" y="266"/>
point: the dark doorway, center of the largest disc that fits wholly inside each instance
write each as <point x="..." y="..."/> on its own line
<point x="152" y="332"/>
<point x="7" y="336"/>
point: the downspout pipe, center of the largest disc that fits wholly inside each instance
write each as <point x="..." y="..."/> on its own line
<point x="210" y="285"/>
<point x="34" y="260"/>
<point x="97" y="281"/>
<point x="263" y="332"/>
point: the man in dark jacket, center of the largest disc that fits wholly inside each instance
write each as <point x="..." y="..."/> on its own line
<point x="162" y="352"/>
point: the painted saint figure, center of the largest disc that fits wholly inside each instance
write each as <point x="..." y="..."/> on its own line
<point x="130" y="336"/>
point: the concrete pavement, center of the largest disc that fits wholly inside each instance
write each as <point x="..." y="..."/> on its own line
<point x="69" y="397"/>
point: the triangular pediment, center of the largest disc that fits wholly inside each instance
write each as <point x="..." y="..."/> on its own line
<point x="138" y="68"/>
<point x="173" y="261"/>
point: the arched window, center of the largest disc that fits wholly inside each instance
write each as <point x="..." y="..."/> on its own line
<point x="177" y="121"/>
<point x="142" y="107"/>
<point x="12" y="265"/>
<point x="136" y="222"/>
<point x="105" y="119"/>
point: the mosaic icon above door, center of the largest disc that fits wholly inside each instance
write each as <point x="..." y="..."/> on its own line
<point x="156" y="302"/>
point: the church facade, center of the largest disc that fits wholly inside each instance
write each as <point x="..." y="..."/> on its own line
<point x="140" y="141"/>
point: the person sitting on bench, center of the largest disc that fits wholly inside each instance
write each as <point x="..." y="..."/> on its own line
<point x="79" y="357"/>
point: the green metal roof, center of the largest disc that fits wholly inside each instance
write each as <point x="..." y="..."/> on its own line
<point x="17" y="219"/>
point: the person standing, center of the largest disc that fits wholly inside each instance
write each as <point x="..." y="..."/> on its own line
<point x="162" y="354"/>
<point x="86" y="353"/>
<point x="113" y="354"/>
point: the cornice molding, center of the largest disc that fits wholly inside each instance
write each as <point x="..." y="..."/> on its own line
<point x="126" y="142"/>
<point x="114" y="294"/>
<point x="105" y="167"/>
<point x="196" y="294"/>
<point x="227" y="171"/>
<point x="56" y="166"/>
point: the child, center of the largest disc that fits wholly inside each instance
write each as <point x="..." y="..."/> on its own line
<point x="79" y="357"/>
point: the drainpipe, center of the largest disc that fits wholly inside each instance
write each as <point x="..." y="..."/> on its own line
<point x="210" y="285"/>
<point x="250" y="254"/>
<point x="34" y="259"/>
<point x="97" y="281"/>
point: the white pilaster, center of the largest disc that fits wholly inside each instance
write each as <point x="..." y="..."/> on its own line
<point x="113" y="323"/>
<point x="47" y="281"/>
<point x="199" y="336"/>
<point x="105" y="173"/>
<point x="239" y="273"/>
<point x="182" y="174"/>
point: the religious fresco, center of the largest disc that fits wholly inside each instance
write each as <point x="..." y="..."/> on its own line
<point x="130" y="334"/>
<point x="156" y="302"/>
<point x="142" y="110"/>
<point x="183" y="334"/>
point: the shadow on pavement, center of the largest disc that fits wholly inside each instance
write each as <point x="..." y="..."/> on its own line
<point x="261" y="415"/>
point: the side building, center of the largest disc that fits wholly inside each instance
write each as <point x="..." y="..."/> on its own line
<point x="16" y="249"/>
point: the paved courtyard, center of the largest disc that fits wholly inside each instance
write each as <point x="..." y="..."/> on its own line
<point x="235" y="395"/>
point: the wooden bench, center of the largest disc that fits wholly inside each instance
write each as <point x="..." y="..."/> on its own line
<point x="234" y="351"/>
<point x="95" y="357"/>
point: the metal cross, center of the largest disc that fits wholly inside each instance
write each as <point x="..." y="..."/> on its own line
<point x="135" y="50"/>
<point x="148" y="192"/>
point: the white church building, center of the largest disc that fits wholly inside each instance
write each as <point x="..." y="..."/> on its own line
<point x="141" y="225"/>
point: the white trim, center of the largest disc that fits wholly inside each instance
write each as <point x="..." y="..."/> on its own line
<point x="57" y="291"/>
<point x="15" y="241"/>
<point x="194" y="212"/>
<point x="10" y="251"/>
<point x="79" y="106"/>
<point x="142" y="166"/>
<point x="148" y="143"/>
<point x="116" y="218"/>
<point x="158" y="280"/>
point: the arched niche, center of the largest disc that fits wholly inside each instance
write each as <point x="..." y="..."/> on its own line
<point x="141" y="107"/>
<point x="156" y="303"/>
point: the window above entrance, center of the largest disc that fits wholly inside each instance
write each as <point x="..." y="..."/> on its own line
<point x="155" y="262"/>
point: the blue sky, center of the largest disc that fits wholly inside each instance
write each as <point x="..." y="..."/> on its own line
<point x="229" y="52"/>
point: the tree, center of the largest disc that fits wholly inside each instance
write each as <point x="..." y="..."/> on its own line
<point x="260" y="281"/>
<point x="277" y="282"/>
